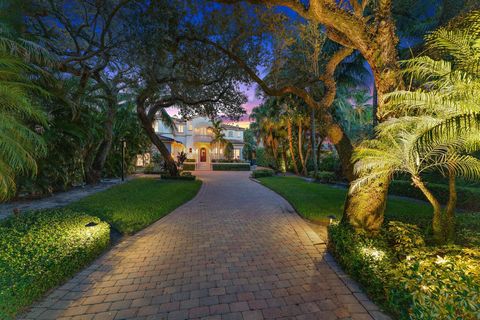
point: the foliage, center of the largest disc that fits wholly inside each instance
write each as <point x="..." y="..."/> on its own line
<point x="468" y="197"/>
<point x="426" y="283"/>
<point x="230" y="166"/>
<point x="185" y="176"/>
<point x="329" y="161"/>
<point x="20" y="144"/>
<point x="41" y="249"/>
<point x="189" y="166"/>
<point x="264" y="159"/>
<point x="249" y="146"/>
<point x="136" y="204"/>
<point x="261" y="173"/>
<point x="228" y="161"/>
<point x="151" y="169"/>
<point x="181" y="157"/>
<point x="354" y="112"/>
<point x="324" y="176"/>
<point x="403" y="238"/>
<point x="437" y="123"/>
<point x="127" y="127"/>
<point x="317" y="202"/>
<point x="228" y="152"/>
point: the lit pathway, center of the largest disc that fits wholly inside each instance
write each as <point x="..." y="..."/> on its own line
<point x="236" y="251"/>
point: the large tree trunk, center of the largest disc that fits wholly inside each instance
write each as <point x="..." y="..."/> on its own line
<point x="300" y="147"/>
<point x="148" y="127"/>
<point x="290" y="143"/>
<point x="365" y="207"/>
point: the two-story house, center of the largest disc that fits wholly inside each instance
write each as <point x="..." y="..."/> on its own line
<point x="194" y="137"/>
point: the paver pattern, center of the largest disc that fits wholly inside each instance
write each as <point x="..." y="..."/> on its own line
<point x="236" y="251"/>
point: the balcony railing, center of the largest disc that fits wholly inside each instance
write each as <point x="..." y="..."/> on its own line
<point x="202" y="138"/>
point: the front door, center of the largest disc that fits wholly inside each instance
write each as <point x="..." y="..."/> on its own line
<point x="203" y="155"/>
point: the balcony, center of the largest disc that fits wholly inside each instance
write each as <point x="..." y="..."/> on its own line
<point x="202" y="138"/>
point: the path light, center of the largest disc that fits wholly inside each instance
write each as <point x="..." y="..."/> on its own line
<point x="332" y="218"/>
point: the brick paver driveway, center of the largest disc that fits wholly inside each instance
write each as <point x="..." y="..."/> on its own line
<point x="236" y="251"/>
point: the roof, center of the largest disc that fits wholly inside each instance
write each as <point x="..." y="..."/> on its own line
<point x="232" y="127"/>
<point x="168" y="139"/>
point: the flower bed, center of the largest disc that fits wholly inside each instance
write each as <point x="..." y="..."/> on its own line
<point x="42" y="249"/>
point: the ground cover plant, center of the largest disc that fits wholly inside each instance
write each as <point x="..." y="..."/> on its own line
<point x="41" y="249"/>
<point x="138" y="203"/>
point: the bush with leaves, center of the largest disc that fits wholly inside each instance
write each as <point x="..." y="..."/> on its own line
<point x="260" y="173"/>
<point x="43" y="248"/>
<point x="419" y="283"/>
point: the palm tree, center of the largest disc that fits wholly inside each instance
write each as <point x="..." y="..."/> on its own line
<point x="20" y="144"/>
<point x="401" y="148"/>
<point x="438" y="124"/>
<point x="218" y="139"/>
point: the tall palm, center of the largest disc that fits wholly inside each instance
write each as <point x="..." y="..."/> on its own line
<point x="19" y="144"/>
<point x="218" y="138"/>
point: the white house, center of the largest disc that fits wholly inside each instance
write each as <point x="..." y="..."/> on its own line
<point x="194" y="137"/>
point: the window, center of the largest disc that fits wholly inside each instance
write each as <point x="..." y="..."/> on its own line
<point x="190" y="150"/>
<point x="236" y="153"/>
<point x="239" y="134"/>
<point x="190" y="127"/>
<point x="230" y="134"/>
<point x="181" y="128"/>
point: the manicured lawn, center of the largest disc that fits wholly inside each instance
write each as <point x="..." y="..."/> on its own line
<point x="138" y="203"/>
<point x="316" y="201"/>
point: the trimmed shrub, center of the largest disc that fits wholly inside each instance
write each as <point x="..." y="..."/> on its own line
<point x="228" y="161"/>
<point x="260" y="173"/>
<point x="230" y="167"/>
<point x="182" y="176"/>
<point x="41" y="249"/>
<point x="190" y="160"/>
<point x="189" y="166"/>
<point x="326" y="177"/>
<point x="426" y="283"/>
<point x="468" y="198"/>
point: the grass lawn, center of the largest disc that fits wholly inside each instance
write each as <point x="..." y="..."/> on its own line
<point x="316" y="201"/>
<point x="138" y="203"/>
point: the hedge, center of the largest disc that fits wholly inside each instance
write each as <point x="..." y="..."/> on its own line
<point x="230" y="167"/>
<point x="41" y="249"/>
<point x="260" y="173"/>
<point x="181" y="177"/>
<point x="468" y="198"/>
<point x="189" y="166"/>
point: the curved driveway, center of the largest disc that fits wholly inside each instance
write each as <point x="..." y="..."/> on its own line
<point x="236" y="251"/>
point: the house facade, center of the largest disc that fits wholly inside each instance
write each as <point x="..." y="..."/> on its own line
<point x="194" y="137"/>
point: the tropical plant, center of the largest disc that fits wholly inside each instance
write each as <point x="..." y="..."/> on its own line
<point x="438" y="124"/>
<point x="19" y="142"/>
<point x="228" y="152"/>
<point x="218" y="138"/>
